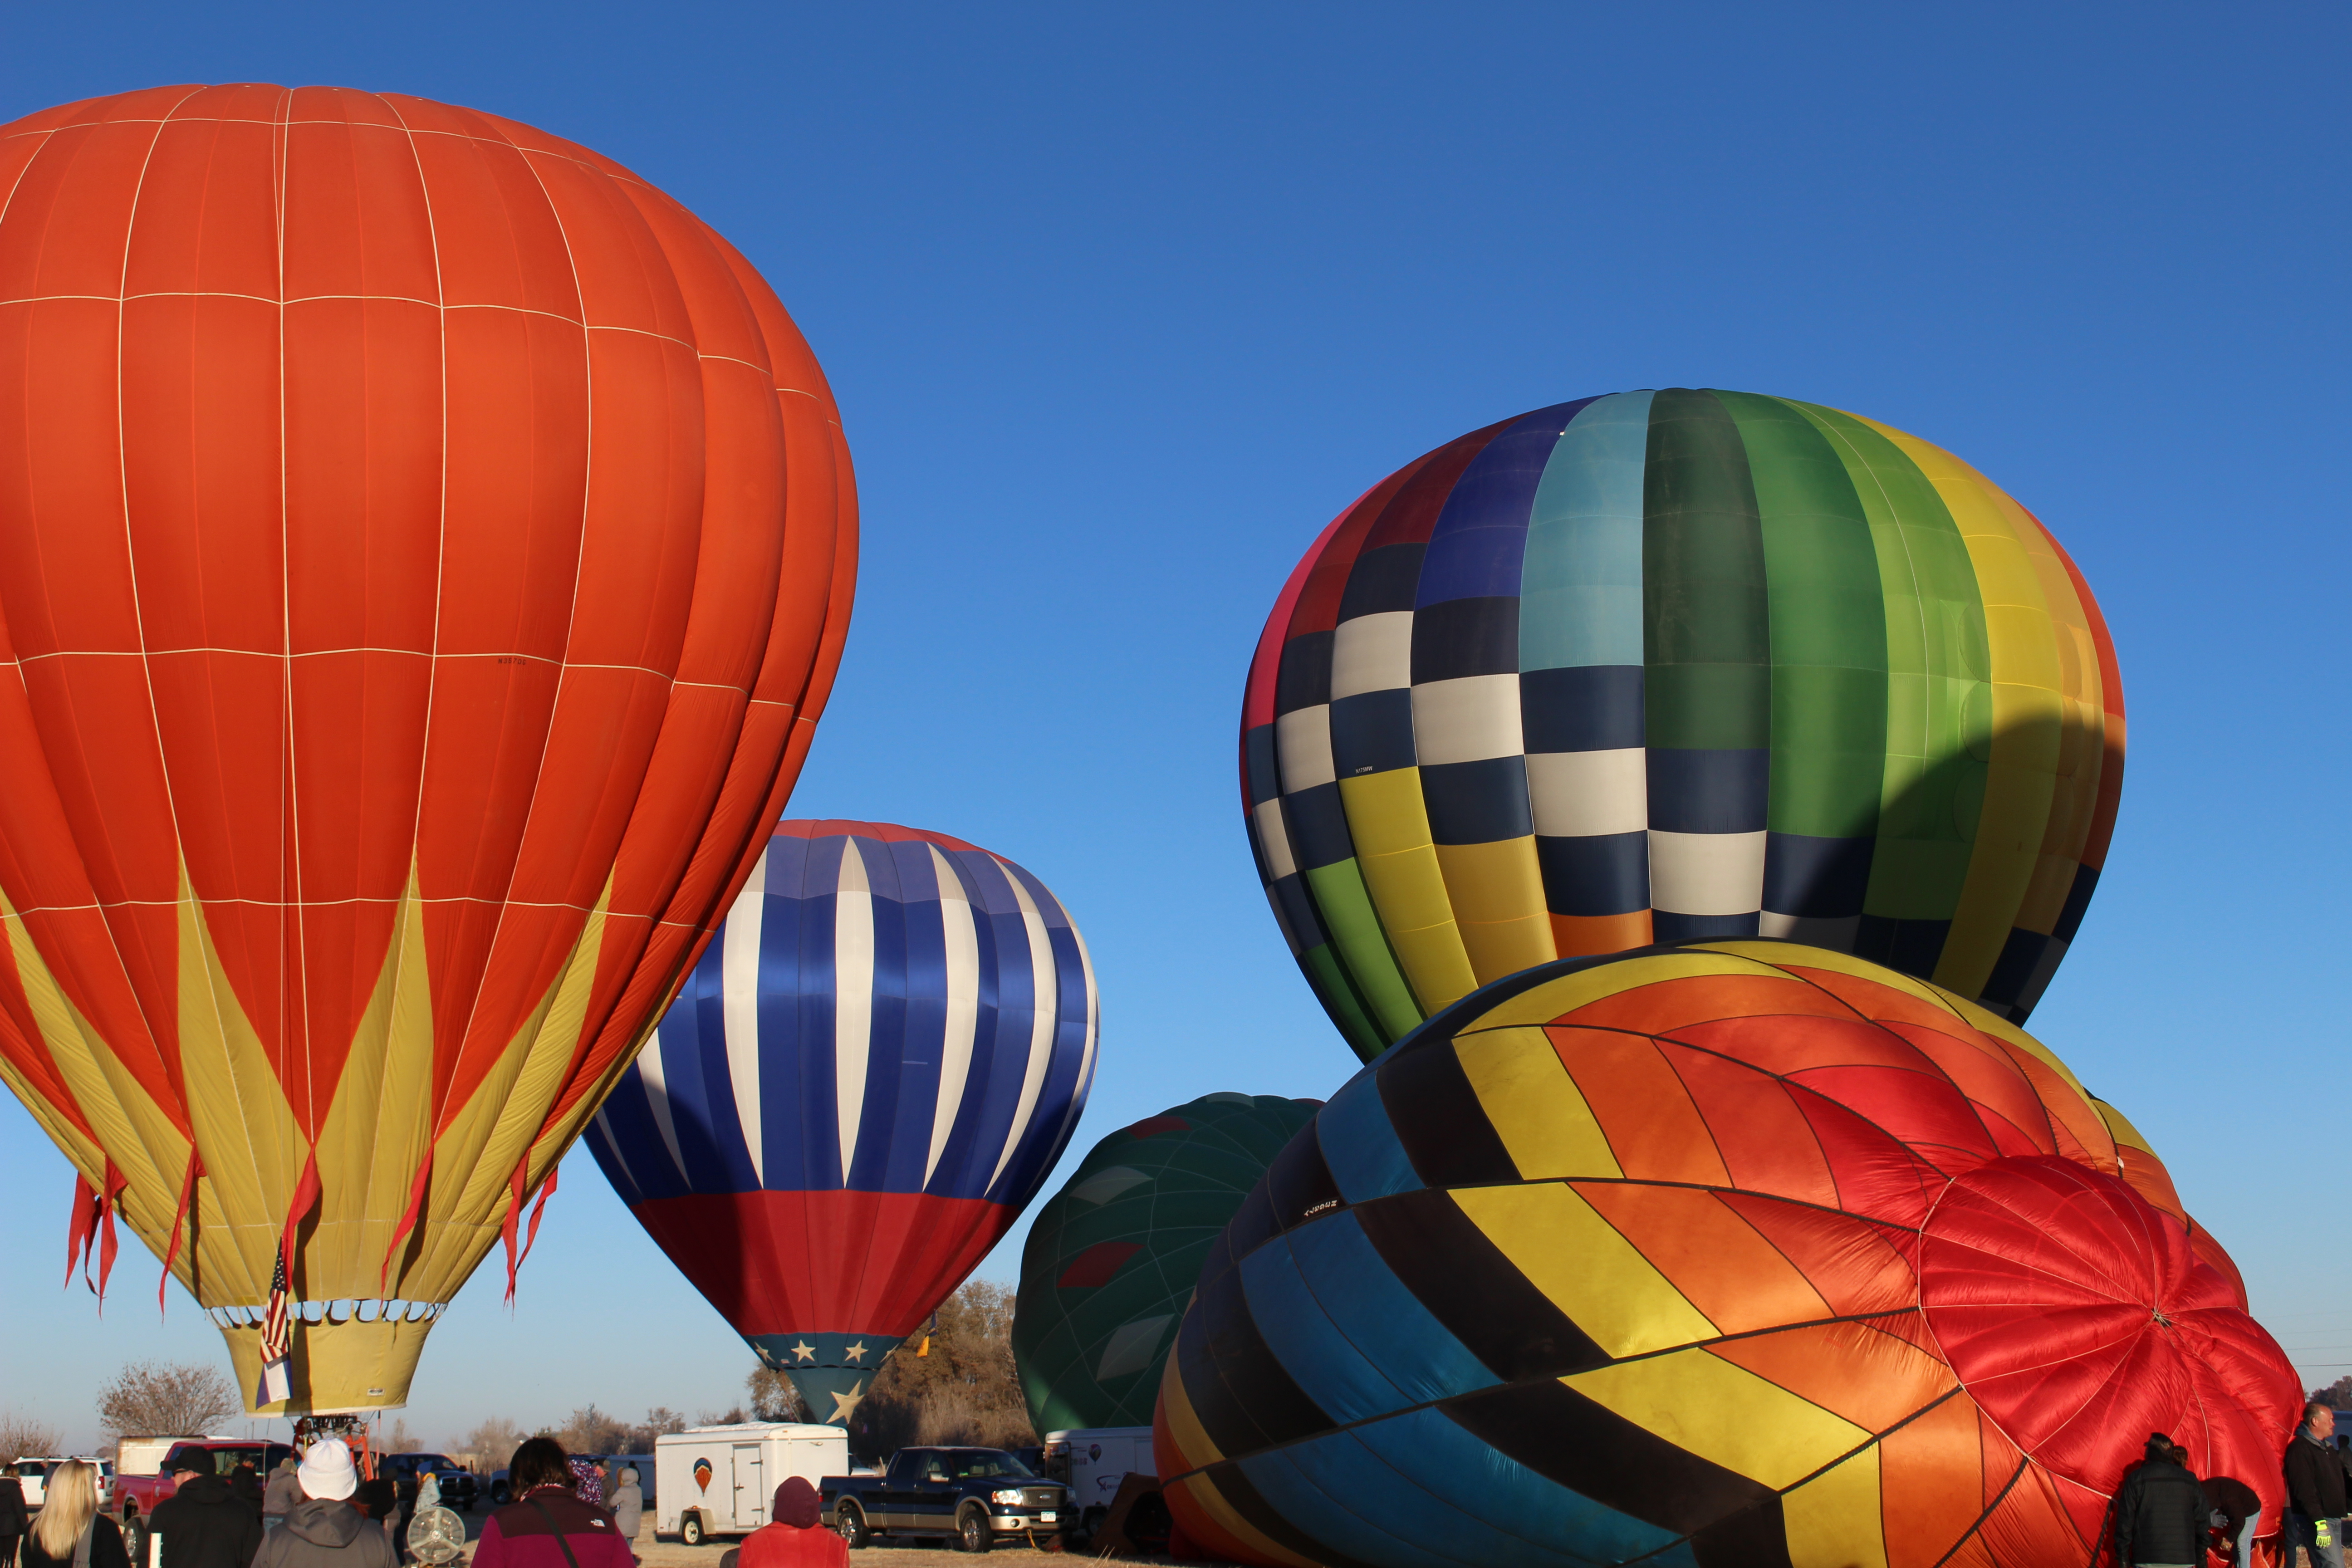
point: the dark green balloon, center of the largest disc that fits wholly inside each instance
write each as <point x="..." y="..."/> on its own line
<point x="1113" y="1256"/>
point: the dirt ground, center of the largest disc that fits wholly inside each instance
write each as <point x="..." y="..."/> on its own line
<point x="670" y="1552"/>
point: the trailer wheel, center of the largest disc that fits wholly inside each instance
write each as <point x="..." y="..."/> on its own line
<point x="689" y="1529"/>
<point x="850" y="1525"/>
<point x="973" y="1534"/>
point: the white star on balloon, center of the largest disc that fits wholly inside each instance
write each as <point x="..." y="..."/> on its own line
<point x="805" y="1351"/>
<point x="856" y="1351"/>
<point x="843" y="1403"/>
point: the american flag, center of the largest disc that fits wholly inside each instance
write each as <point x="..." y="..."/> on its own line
<point x="275" y="1385"/>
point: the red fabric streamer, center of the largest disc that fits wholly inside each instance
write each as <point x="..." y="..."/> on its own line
<point x="83" y="1224"/>
<point x="507" y="1229"/>
<point x="107" y="1245"/>
<point x="514" y="1217"/>
<point x="187" y="1201"/>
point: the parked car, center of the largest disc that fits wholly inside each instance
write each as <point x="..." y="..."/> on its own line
<point x="459" y="1489"/>
<point x="970" y="1496"/>
<point x="135" y="1495"/>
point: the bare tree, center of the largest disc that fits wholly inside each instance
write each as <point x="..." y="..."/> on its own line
<point x="21" y="1437"/>
<point x="660" y="1420"/>
<point x="591" y="1431"/>
<point x="965" y="1390"/>
<point x="492" y="1444"/>
<point x="400" y="1439"/>
<point x="166" y="1398"/>
<point x="2337" y="1393"/>
<point x="773" y="1397"/>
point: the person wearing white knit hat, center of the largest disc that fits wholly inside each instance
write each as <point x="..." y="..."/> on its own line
<point x="325" y="1531"/>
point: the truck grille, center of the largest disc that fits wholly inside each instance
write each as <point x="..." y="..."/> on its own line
<point x="1040" y="1497"/>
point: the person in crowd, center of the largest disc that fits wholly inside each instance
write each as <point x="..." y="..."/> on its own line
<point x="279" y="1497"/>
<point x="404" y="1486"/>
<point x="2233" y="1510"/>
<point x="587" y="1481"/>
<point x="203" y="1523"/>
<point x="797" y="1537"/>
<point x="378" y="1500"/>
<point x="70" y="1531"/>
<point x="2161" y="1512"/>
<point x="628" y="1506"/>
<point x="13" y="1519"/>
<point x="323" y="1529"/>
<point x="2315" y="1489"/>
<point x="245" y="1485"/>
<point x="547" y="1517"/>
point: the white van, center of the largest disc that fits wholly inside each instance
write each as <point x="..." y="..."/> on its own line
<point x="1091" y="1461"/>
<point x="717" y="1480"/>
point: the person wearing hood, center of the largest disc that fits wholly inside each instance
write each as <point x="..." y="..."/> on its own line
<point x="203" y="1523"/>
<point x="277" y="1500"/>
<point x="323" y="1529"/>
<point x="628" y="1504"/>
<point x="797" y="1538"/>
<point x="547" y="1525"/>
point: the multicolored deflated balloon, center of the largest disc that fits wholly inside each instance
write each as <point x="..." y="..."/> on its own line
<point x="864" y="1082"/>
<point x="1674" y="664"/>
<point x="1748" y="1253"/>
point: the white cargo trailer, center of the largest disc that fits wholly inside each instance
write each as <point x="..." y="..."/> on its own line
<point x="1091" y="1461"/>
<point x="717" y="1480"/>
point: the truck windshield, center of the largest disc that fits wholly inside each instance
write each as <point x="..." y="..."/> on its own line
<point x="966" y="1464"/>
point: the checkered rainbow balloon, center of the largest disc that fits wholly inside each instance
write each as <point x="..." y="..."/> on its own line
<point x="1669" y="665"/>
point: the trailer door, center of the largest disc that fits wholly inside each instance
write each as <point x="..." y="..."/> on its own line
<point x="750" y="1494"/>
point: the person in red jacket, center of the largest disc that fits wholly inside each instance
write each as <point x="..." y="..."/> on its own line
<point x="798" y="1537"/>
<point x="547" y="1525"/>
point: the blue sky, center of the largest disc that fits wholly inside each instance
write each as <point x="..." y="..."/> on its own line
<point x="1122" y="304"/>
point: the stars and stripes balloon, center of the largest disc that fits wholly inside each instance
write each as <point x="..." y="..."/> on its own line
<point x="1664" y="665"/>
<point x="1112" y="1258"/>
<point x="424" y="551"/>
<point x="1741" y="1253"/>
<point x="864" y="1082"/>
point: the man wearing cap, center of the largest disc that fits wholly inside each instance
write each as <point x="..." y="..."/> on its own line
<point x="325" y="1531"/>
<point x="203" y="1524"/>
<point x="2160" y="1515"/>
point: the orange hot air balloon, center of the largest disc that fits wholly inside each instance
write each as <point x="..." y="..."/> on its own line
<point x="424" y="551"/>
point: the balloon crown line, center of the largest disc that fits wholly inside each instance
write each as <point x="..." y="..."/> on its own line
<point x="342" y="1310"/>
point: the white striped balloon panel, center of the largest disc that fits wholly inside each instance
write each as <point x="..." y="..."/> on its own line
<point x="930" y="1012"/>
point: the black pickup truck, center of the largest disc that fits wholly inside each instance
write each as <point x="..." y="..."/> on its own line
<point x="968" y="1495"/>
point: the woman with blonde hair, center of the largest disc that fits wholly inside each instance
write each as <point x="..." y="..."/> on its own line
<point x="70" y="1532"/>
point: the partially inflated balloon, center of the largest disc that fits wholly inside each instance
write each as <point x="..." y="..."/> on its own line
<point x="1112" y="1258"/>
<point x="863" y="1084"/>
<point x="1747" y="1253"/>
<point x="425" y="549"/>
<point x="1674" y="664"/>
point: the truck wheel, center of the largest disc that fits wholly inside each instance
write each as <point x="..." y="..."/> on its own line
<point x="134" y="1540"/>
<point x="689" y="1530"/>
<point x="973" y="1534"/>
<point x="851" y="1526"/>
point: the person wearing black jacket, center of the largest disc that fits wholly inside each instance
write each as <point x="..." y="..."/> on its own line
<point x="13" y="1519"/>
<point x="203" y="1524"/>
<point x="2161" y="1512"/>
<point x="2315" y="1489"/>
